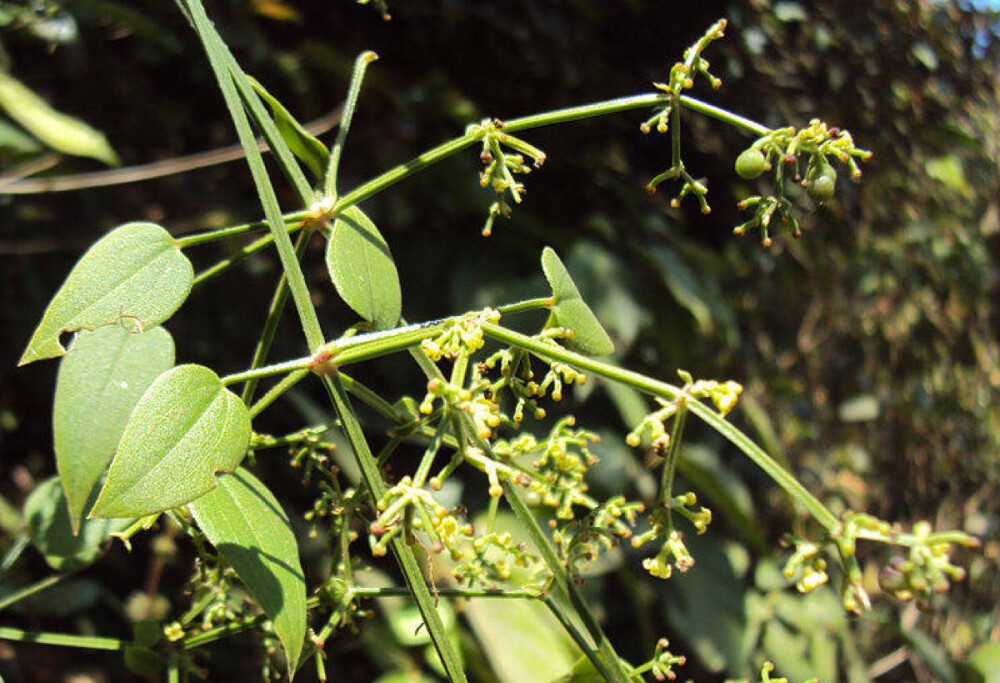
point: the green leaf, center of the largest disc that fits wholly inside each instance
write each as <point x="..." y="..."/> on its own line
<point x="49" y="524"/>
<point x="246" y="524"/>
<point x="362" y="269"/>
<point x="99" y="383"/>
<point x="306" y="147"/>
<point x="13" y="140"/>
<point x="135" y="273"/>
<point x="57" y="130"/>
<point x="185" y="429"/>
<point x="571" y="312"/>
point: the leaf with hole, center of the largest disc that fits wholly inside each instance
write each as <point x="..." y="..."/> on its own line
<point x="185" y="429"/>
<point x="245" y="522"/>
<point x="100" y="380"/>
<point x="135" y="275"/>
<point x="362" y="269"/>
<point x="305" y="146"/>
<point x="49" y="525"/>
<point x="570" y="311"/>
<point x="59" y="131"/>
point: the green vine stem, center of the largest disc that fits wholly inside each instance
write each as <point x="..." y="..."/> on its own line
<point x="360" y="65"/>
<point x="37" y="587"/>
<point x="657" y="388"/>
<point x="61" y="639"/>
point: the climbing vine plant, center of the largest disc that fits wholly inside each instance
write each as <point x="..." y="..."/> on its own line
<point x="142" y="441"/>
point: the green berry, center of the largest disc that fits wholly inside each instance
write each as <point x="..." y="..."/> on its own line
<point x="822" y="186"/>
<point x="750" y="164"/>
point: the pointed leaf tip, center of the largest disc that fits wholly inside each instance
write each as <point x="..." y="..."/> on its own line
<point x="98" y="385"/>
<point x="185" y="429"/>
<point x="245" y="522"/>
<point x="571" y="311"/>
<point x="135" y="275"/>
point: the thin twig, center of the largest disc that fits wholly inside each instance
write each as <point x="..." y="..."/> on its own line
<point x="14" y="184"/>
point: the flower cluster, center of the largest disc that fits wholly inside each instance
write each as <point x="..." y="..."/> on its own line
<point x="723" y="395"/>
<point x="805" y="565"/>
<point x="501" y="164"/>
<point x="682" y="76"/>
<point x="782" y="150"/>
<point x="605" y="525"/>
<point x="462" y="337"/>
<point x="664" y="661"/>
<point x="405" y="509"/>
<point x="490" y="559"/>
<point x="927" y="570"/>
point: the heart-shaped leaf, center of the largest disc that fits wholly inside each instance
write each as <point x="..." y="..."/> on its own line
<point x="135" y="274"/>
<point x="186" y="428"/>
<point x="305" y="146"/>
<point x="49" y="523"/>
<point x="362" y="269"/>
<point x="571" y="311"/>
<point x="246" y="524"/>
<point x="57" y="130"/>
<point x="98" y="385"/>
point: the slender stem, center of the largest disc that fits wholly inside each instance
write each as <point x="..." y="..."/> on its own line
<point x="673" y="450"/>
<point x="224" y="264"/>
<point x="585" y="111"/>
<point x="394" y="175"/>
<point x="227" y="76"/>
<point x="648" y="385"/>
<point x="14" y="552"/>
<point x="578" y="637"/>
<point x="724" y="115"/>
<point x="607" y="662"/>
<point x="289" y="366"/>
<point x="275" y="392"/>
<point x="403" y="552"/>
<point x="360" y="65"/>
<point x="527" y="305"/>
<point x="233" y="231"/>
<point x="37" y="587"/>
<point x="273" y="318"/>
<point x="61" y="639"/>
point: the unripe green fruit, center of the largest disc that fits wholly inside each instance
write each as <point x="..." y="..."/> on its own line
<point x="750" y="164"/>
<point x="822" y="186"/>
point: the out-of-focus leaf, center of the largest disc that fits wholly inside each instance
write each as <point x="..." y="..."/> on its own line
<point x="949" y="171"/>
<point x="571" y="312"/>
<point x="304" y="145"/>
<point x="362" y="269"/>
<point x="57" y="130"/>
<point x="863" y="408"/>
<point x="983" y="665"/>
<point x="98" y="385"/>
<point x="606" y="285"/>
<point x="695" y="294"/>
<point x="706" y="607"/>
<point x="245" y="522"/>
<point x="13" y="140"/>
<point x="134" y="274"/>
<point x="51" y="532"/>
<point x="727" y="495"/>
<point x="66" y="598"/>
<point x="185" y="429"/>
<point x="932" y="654"/>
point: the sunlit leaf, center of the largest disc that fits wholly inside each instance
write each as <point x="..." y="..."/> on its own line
<point x="246" y="524"/>
<point x="185" y="429"/>
<point x="49" y="524"/>
<point x="362" y="269"/>
<point x="135" y="275"/>
<point x="570" y="310"/>
<point x="305" y="146"/>
<point x="57" y="130"/>
<point x="98" y="385"/>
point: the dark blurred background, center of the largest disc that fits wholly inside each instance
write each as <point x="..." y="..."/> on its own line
<point x="868" y="348"/>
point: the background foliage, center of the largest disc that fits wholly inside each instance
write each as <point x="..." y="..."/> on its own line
<point x="869" y="348"/>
